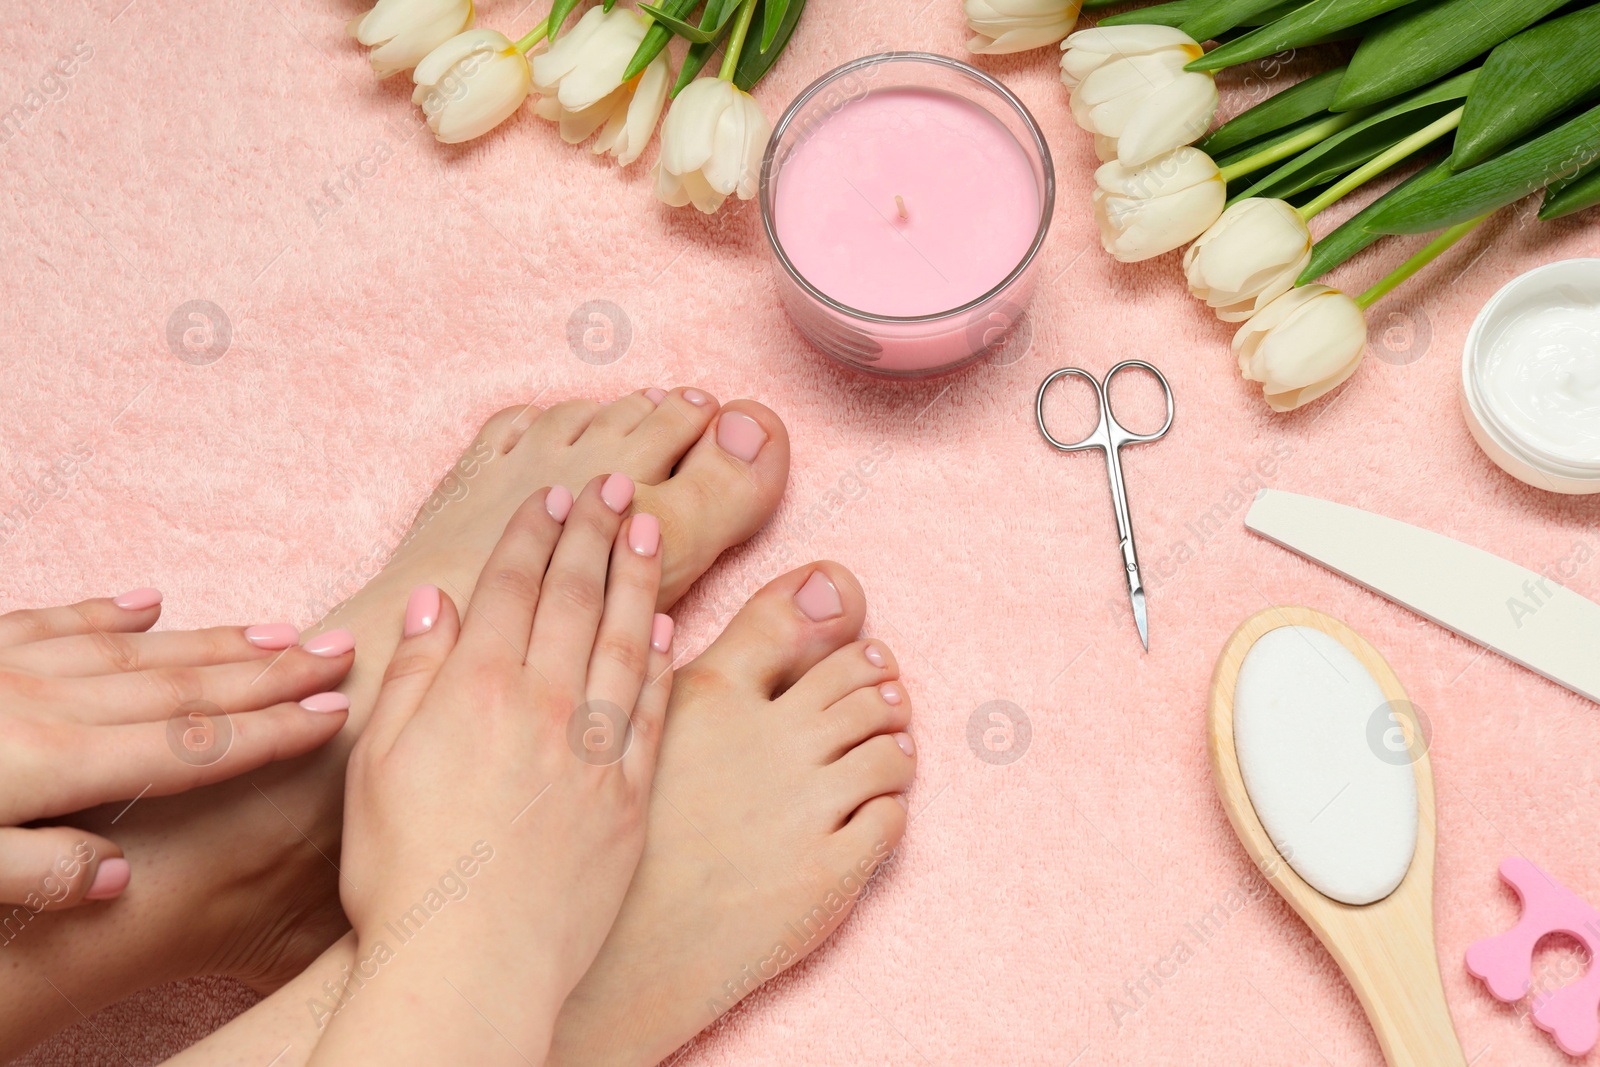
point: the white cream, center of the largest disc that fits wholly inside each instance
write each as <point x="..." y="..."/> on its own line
<point x="1540" y="375"/>
<point x="1316" y="745"/>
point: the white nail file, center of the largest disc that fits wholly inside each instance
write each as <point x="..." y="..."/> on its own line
<point x="1526" y="617"/>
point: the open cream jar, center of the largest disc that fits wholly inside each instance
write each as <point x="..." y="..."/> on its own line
<point x="1530" y="377"/>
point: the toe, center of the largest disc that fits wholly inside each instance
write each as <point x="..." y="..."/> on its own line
<point x="561" y="424"/>
<point x="787" y="628"/>
<point x="866" y="713"/>
<point x="624" y="414"/>
<point x="670" y="430"/>
<point x="860" y="663"/>
<point x="873" y="832"/>
<point x="879" y="766"/>
<point x="506" y="427"/>
<point x="724" y="489"/>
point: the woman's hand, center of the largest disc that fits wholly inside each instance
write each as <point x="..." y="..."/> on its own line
<point x="94" y="710"/>
<point x="495" y="806"/>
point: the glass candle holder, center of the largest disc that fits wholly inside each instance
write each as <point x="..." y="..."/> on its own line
<point x="906" y="196"/>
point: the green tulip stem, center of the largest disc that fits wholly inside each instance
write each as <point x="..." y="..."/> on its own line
<point x="534" y="36"/>
<point x="1382" y="162"/>
<point x="741" y="29"/>
<point x="1309" y="137"/>
<point x="1099" y="5"/>
<point x="1425" y="255"/>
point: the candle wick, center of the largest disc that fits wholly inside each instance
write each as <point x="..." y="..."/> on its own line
<point x="900" y="202"/>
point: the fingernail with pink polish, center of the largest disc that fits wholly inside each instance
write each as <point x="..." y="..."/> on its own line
<point x="558" y="502"/>
<point x="661" y="633"/>
<point x="110" y="879"/>
<point x="889" y="693"/>
<point x="326" y="702"/>
<point x="138" y="599"/>
<point x="272" y="635"/>
<point x="818" y="599"/>
<point x="644" y="535"/>
<point x="422" y="610"/>
<point x="333" y="643"/>
<point x="696" y="397"/>
<point x="740" y="436"/>
<point x="617" y="492"/>
<point x="874" y="656"/>
<point x="655" y="396"/>
<point x="904" y="741"/>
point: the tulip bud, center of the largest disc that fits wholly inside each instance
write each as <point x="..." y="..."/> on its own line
<point x="1018" y="25"/>
<point x="1302" y="345"/>
<point x="580" y="86"/>
<point x="401" y="32"/>
<point x="1169" y="201"/>
<point x="470" y="84"/>
<point x="711" y="146"/>
<point x="1249" y="257"/>
<point x="1128" y="83"/>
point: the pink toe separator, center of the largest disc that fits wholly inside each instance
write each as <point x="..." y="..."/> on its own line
<point x="1570" y="1014"/>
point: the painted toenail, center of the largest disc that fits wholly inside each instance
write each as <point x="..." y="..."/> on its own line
<point x="138" y="599"/>
<point x="617" y="492"/>
<point x="661" y="633"/>
<point x="741" y="436"/>
<point x="655" y="396"/>
<point x="818" y="599"/>
<point x="273" y="635"/>
<point x="889" y="693"/>
<point x="904" y="741"/>
<point x="644" y="535"/>
<point x="696" y="397"/>
<point x="333" y="643"/>
<point x="422" y="610"/>
<point x="110" y="879"/>
<point x="326" y="702"/>
<point x="874" y="657"/>
<point x="558" y="502"/>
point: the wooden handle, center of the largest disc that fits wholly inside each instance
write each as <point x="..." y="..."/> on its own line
<point x="1396" y="976"/>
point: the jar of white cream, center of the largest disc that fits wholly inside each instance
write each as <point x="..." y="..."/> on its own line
<point x="1530" y="377"/>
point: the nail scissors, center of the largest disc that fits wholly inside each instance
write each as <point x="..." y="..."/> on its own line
<point x="1109" y="436"/>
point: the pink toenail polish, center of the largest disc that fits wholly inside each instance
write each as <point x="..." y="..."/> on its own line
<point x="273" y="635"/>
<point x="890" y="695"/>
<point x="326" y="702"/>
<point x="110" y="879"/>
<point x="904" y="741"/>
<point x="617" y="492"/>
<point x="696" y="397"/>
<point x="661" y="628"/>
<point x="818" y="599"/>
<point x="333" y="643"/>
<point x="422" y="610"/>
<point x="138" y="599"/>
<point x="874" y="657"/>
<point x="558" y="502"/>
<point x="740" y="436"/>
<point x="644" y="535"/>
<point x="655" y="396"/>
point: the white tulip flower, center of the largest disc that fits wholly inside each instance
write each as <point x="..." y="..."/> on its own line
<point x="401" y="32"/>
<point x="471" y="84"/>
<point x="1018" y="25"/>
<point x="711" y="146"/>
<point x="579" y="83"/>
<point x="1302" y="345"/>
<point x="1128" y="83"/>
<point x="1169" y="201"/>
<point x="1248" y="258"/>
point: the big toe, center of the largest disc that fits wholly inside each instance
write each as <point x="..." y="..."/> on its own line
<point x="793" y="623"/>
<point x="722" y="491"/>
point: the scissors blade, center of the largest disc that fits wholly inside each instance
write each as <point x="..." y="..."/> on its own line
<point x="1136" y="596"/>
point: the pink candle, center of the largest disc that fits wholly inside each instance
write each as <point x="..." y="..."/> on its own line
<point x="905" y="196"/>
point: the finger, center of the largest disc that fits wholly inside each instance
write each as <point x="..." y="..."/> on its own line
<point x="650" y="710"/>
<point x="106" y="652"/>
<point x="574" y="593"/>
<point x="133" y="611"/>
<point x="622" y="642"/>
<point x="230" y="688"/>
<point x="58" y="867"/>
<point x="500" y="618"/>
<point x="431" y="629"/>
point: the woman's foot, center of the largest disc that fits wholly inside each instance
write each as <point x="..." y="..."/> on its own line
<point x="241" y="878"/>
<point x="778" y="794"/>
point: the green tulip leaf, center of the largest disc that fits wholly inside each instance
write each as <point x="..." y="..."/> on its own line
<point x="1558" y="153"/>
<point x="1366" y="140"/>
<point x="716" y="15"/>
<point x="1209" y="19"/>
<point x="1527" y="81"/>
<point x="1171" y="14"/>
<point x="657" y="36"/>
<point x="1353" y="235"/>
<point x="755" y="62"/>
<point x="697" y="34"/>
<point x="1424" y="41"/>
<point x="1287" y="108"/>
<point x="1567" y="195"/>
<point x="772" y="21"/>
<point x="558" y="14"/>
<point x="1310" y="23"/>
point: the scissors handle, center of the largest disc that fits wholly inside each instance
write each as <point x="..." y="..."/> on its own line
<point x="1108" y="432"/>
